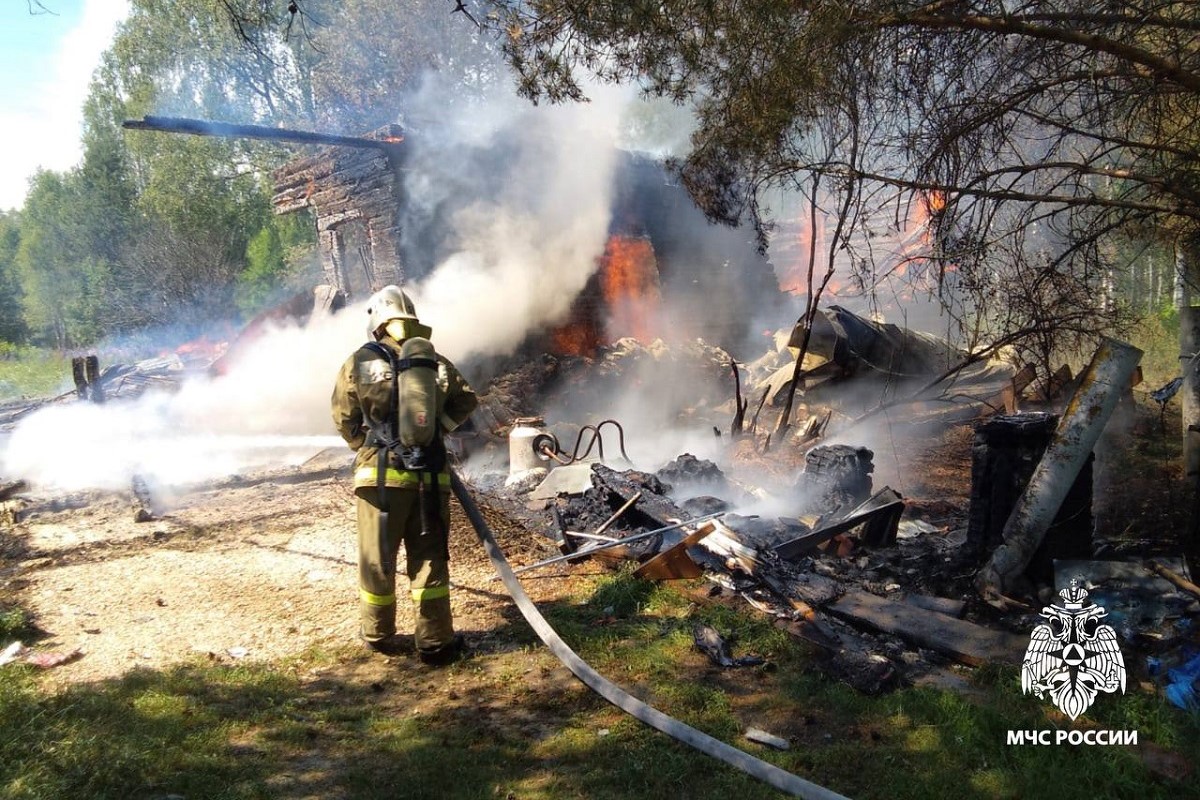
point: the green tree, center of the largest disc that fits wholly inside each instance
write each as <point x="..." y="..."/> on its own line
<point x="1033" y="134"/>
<point x="12" y="316"/>
<point x="278" y="261"/>
<point x="58" y="274"/>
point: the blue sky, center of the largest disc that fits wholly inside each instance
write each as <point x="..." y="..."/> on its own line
<point x="46" y="63"/>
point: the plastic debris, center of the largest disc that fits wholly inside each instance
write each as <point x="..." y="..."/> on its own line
<point x="1181" y="691"/>
<point x="912" y="528"/>
<point x="713" y="645"/>
<point x="11" y="653"/>
<point x="1168" y="390"/>
<point x="51" y="660"/>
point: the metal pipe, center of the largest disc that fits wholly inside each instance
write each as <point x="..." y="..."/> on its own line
<point x="1100" y="387"/>
<point x="589" y="551"/>
<point x="593" y="536"/>
<point x="608" y="522"/>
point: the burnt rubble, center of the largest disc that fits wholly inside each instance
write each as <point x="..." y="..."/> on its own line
<point x="881" y="587"/>
<point x="810" y="595"/>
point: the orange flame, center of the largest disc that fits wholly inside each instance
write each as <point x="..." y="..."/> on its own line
<point x="624" y="299"/>
<point x="791" y="254"/>
<point x="629" y="284"/>
<point x="576" y="338"/>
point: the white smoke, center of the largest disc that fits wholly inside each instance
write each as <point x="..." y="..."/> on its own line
<point x="271" y="408"/>
<point x="522" y="255"/>
<point x="528" y="244"/>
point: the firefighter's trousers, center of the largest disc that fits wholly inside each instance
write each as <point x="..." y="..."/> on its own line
<point x="426" y="564"/>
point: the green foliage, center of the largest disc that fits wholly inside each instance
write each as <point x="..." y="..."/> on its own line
<point x="275" y="260"/>
<point x="1158" y="336"/>
<point x="154" y="228"/>
<point x="512" y="722"/>
<point x="14" y="623"/>
<point x="32" y="372"/>
<point x="56" y="269"/>
<point x="12" y="319"/>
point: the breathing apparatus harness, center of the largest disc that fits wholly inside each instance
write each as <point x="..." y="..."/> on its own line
<point x="426" y="461"/>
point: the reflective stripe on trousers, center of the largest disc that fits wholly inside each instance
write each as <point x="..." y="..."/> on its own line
<point x="396" y="478"/>
<point x="425" y="565"/>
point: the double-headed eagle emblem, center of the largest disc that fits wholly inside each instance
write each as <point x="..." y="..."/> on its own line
<point x="1072" y="656"/>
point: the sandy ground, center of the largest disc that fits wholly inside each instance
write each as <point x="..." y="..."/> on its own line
<point x="255" y="567"/>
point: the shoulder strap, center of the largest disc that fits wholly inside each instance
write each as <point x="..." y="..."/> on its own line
<point x="376" y="347"/>
<point x="389" y="432"/>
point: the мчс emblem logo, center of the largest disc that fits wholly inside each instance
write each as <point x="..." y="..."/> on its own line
<point x="1072" y="656"/>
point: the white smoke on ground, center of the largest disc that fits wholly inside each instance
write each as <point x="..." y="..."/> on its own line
<point x="270" y="409"/>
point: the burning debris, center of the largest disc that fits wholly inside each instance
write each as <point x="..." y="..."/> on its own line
<point x="882" y="587"/>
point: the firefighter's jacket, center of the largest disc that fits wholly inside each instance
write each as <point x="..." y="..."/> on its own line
<point x="364" y="391"/>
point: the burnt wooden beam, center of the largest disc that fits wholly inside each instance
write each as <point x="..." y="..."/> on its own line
<point x="963" y="641"/>
<point x="883" y="508"/>
<point x="228" y="130"/>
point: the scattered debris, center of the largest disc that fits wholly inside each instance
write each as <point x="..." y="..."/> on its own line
<point x="10" y="488"/>
<point x="1163" y="394"/>
<point x="942" y="605"/>
<point x="51" y="660"/>
<point x="143" y="501"/>
<point x="1100" y="388"/>
<point x="713" y="645"/>
<point x="879" y="515"/>
<point x="673" y="563"/>
<point x="11" y="653"/>
<point x="1005" y="452"/>
<point x="1181" y="690"/>
<point x="1175" y="578"/>
<point x="762" y="737"/>
<point x="964" y="641"/>
<point x="10" y="511"/>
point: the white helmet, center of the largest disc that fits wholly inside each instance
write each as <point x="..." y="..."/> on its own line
<point x="387" y="304"/>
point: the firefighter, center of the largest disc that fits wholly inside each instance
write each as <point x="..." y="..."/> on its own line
<point x="401" y="504"/>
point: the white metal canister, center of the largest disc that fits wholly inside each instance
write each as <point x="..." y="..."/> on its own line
<point x="526" y="435"/>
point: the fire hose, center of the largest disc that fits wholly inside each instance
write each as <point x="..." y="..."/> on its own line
<point x="768" y="773"/>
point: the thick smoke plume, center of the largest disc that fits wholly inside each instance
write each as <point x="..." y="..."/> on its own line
<point x="517" y="203"/>
<point x="520" y="223"/>
<point x="271" y="408"/>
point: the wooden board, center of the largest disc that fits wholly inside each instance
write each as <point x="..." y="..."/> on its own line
<point x="942" y="605"/>
<point x="673" y="563"/>
<point x="886" y="503"/>
<point x="964" y="641"/>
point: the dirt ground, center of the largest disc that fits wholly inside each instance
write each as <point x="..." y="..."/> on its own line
<point x="254" y="567"/>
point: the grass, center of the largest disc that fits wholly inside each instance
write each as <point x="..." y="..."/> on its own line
<point x="14" y="623"/>
<point x="32" y="372"/>
<point x="513" y="724"/>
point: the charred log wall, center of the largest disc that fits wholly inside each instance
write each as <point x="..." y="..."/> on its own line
<point x="1005" y="452"/>
<point x="350" y="189"/>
